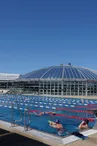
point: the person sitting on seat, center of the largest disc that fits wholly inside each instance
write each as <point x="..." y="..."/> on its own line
<point x="84" y="124"/>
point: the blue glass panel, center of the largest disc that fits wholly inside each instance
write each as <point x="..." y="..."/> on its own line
<point x="70" y="72"/>
<point x="54" y="73"/>
<point x="85" y="73"/>
<point x="58" y="73"/>
<point x="95" y="75"/>
<point x="38" y="73"/>
<point x="67" y="72"/>
<point x="92" y="75"/>
<point x="28" y="74"/>
<point x="78" y="74"/>
<point x="49" y="73"/>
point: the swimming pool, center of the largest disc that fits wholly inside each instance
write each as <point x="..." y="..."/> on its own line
<point x="70" y="111"/>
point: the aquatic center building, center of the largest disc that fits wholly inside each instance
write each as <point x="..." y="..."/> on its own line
<point x="65" y="80"/>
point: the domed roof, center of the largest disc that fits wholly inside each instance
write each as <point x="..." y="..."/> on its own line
<point x="62" y="71"/>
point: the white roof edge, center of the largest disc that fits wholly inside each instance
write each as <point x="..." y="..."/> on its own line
<point x="9" y="76"/>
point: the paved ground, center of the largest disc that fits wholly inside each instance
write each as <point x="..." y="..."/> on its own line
<point x="84" y="97"/>
<point x="92" y="141"/>
<point x="9" y="139"/>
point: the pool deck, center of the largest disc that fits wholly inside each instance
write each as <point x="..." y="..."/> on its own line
<point x="45" y="138"/>
<point x="92" y="141"/>
<point x="65" y="96"/>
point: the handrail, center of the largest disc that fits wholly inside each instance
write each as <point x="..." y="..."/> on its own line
<point x="13" y="120"/>
<point x="27" y="114"/>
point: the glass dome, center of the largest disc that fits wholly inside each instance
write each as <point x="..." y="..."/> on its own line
<point x="62" y="72"/>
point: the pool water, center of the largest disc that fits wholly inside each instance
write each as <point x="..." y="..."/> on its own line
<point x="69" y="111"/>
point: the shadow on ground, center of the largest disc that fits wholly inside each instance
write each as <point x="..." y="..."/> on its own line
<point x="10" y="139"/>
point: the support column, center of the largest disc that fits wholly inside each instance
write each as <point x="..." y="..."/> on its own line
<point x="62" y="86"/>
<point x="78" y="88"/>
<point x="86" y="89"/>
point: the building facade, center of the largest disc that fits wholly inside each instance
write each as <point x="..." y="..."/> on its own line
<point x="65" y="80"/>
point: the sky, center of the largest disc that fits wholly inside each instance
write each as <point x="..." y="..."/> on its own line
<point x="40" y="33"/>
